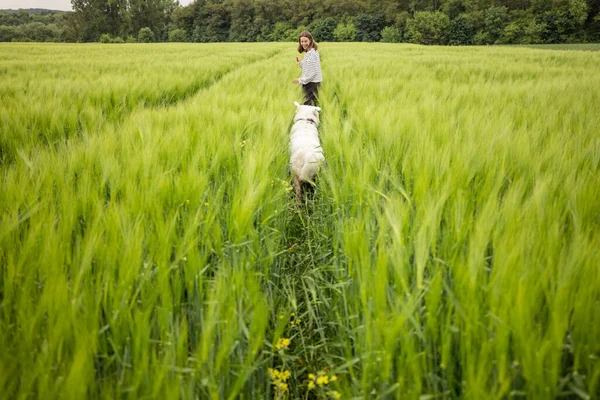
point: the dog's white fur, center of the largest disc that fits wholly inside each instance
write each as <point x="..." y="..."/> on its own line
<point x="306" y="154"/>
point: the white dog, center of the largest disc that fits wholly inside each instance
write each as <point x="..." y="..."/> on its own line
<point x="306" y="154"/>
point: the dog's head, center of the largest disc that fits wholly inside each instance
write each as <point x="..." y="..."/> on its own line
<point x="308" y="113"/>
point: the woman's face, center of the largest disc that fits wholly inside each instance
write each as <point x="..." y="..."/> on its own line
<point x="304" y="42"/>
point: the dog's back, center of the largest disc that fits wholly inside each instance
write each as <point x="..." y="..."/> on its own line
<point x="306" y="153"/>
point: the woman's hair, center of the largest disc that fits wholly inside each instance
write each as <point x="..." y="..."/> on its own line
<point x="312" y="45"/>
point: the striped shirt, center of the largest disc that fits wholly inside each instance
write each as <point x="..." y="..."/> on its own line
<point x="311" y="67"/>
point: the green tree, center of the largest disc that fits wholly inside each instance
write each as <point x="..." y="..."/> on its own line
<point x="428" y="28"/>
<point x="511" y="35"/>
<point x="145" y="35"/>
<point x="462" y="30"/>
<point x="269" y="12"/>
<point x="279" y="32"/>
<point x="23" y="17"/>
<point x="8" y="18"/>
<point x="178" y="35"/>
<point x="154" y="14"/>
<point x="345" y="32"/>
<point x="345" y="7"/>
<point x="7" y="33"/>
<point x="213" y="20"/>
<point x="96" y="17"/>
<point x="522" y="30"/>
<point x="453" y="8"/>
<point x="496" y="19"/>
<point x="69" y="31"/>
<point x="322" y="29"/>
<point x="243" y="28"/>
<point x="564" y="21"/>
<point x="89" y="19"/>
<point x="292" y="35"/>
<point x="183" y="18"/>
<point x="532" y="32"/>
<point x="391" y="34"/>
<point x="368" y="27"/>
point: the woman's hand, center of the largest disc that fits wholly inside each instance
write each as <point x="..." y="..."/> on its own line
<point x="297" y="59"/>
<point x="296" y="81"/>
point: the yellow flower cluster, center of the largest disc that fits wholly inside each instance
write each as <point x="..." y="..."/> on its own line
<point x="322" y="380"/>
<point x="295" y="321"/>
<point x="279" y="379"/>
<point x="286" y="185"/>
<point x="282" y="344"/>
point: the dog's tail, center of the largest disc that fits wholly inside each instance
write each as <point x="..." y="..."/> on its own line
<point x="305" y="166"/>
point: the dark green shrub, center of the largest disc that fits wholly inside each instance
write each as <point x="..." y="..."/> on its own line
<point x="178" y="35"/>
<point x="428" y="28"/>
<point x="391" y="34"/>
<point x="462" y="30"/>
<point x="146" y="35"/>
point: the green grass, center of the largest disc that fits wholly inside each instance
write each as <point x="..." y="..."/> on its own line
<point x="578" y="46"/>
<point x="54" y="92"/>
<point x="150" y="246"/>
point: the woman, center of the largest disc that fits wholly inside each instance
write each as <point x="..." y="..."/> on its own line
<point x="311" y="68"/>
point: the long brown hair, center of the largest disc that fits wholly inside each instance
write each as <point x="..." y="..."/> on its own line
<point x="312" y="45"/>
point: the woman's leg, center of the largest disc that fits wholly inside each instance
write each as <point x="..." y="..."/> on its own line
<point x="311" y="91"/>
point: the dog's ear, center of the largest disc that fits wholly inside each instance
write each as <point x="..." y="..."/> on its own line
<point x="316" y="112"/>
<point x="318" y="108"/>
<point x="296" y="104"/>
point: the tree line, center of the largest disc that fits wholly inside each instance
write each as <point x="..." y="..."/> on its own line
<point x="445" y="22"/>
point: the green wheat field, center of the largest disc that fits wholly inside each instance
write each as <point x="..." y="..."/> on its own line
<point x="151" y="247"/>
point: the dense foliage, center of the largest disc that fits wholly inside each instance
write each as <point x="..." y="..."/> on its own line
<point x="454" y="22"/>
<point x="36" y="25"/>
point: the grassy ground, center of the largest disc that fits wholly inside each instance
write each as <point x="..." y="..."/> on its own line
<point x="581" y="46"/>
<point x="150" y="245"/>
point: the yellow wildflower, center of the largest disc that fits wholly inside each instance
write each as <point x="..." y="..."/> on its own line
<point x="282" y="344"/>
<point x="322" y="380"/>
<point x="334" y="394"/>
<point x="333" y="378"/>
<point x="278" y="381"/>
<point x="275" y="374"/>
<point x="311" y="376"/>
<point x="311" y="385"/>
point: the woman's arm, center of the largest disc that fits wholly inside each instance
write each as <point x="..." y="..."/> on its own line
<point x="310" y="67"/>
